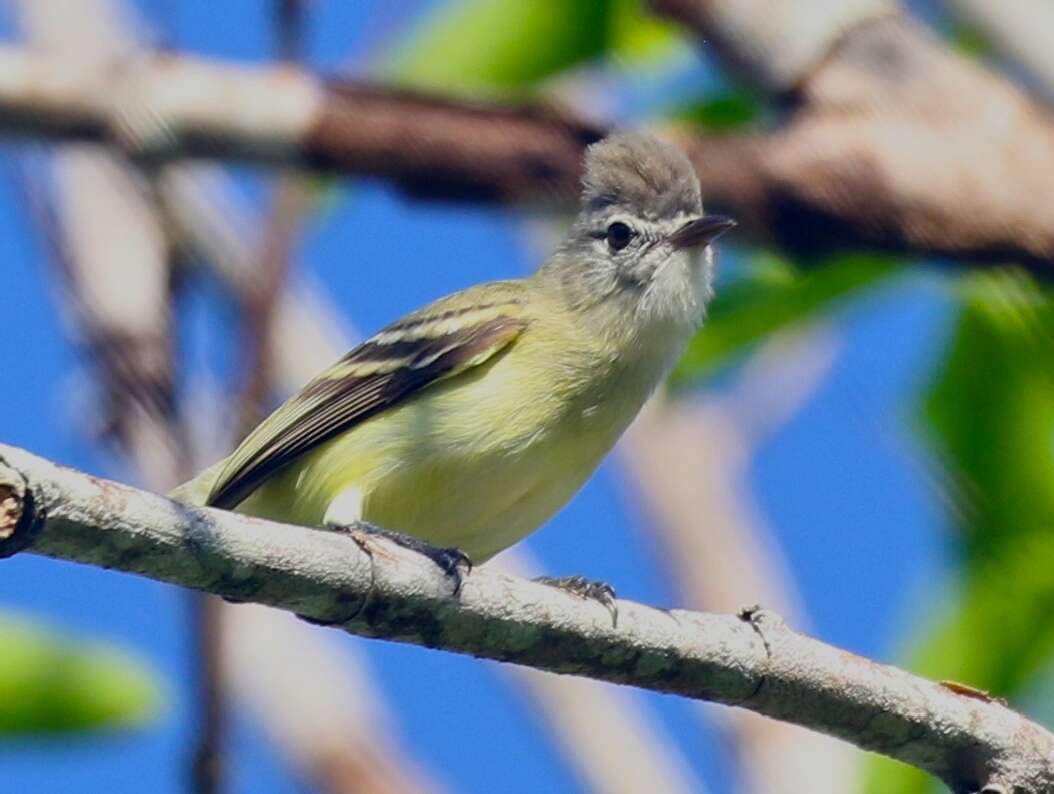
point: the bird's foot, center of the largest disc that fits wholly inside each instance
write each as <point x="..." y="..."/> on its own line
<point x="453" y="562"/>
<point x="589" y="589"/>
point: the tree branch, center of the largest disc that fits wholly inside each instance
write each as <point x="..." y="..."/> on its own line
<point x="893" y="141"/>
<point x="380" y="590"/>
<point x="695" y="450"/>
<point x="1020" y="31"/>
<point x="773" y="44"/>
<point x="167" y="106"/>
<point x="896" y="143"/>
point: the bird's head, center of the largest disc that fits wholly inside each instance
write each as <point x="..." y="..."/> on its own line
<point x="641" y="240"/>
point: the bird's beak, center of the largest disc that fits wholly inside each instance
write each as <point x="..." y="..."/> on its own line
<point x="701" y="231"/>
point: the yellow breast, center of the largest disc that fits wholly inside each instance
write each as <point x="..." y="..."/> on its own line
<point x="477" y="461"/>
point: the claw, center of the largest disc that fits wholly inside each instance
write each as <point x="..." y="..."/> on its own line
<point x="450" y="560"/>
<point x="589" y="589"/>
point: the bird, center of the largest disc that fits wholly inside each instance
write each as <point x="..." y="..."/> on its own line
<point x="462" y="427"/>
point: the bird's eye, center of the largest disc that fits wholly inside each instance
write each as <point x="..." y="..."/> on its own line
<point x="618" y="235"/>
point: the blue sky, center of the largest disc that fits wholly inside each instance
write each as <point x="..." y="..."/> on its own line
<point x="839" y="483"/>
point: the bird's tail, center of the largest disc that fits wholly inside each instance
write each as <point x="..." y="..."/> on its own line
<point x="197" y="490"/>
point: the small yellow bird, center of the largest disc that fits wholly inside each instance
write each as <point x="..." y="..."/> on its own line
<point x="468" y="423"/>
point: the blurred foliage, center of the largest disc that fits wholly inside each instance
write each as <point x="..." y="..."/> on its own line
<point x="639" y="37"/>
<point x="772" y="294"/>
<point x="487" y="47"/>
<point x="49" y="684"/>
<point x="971" y="41"/>
<point x="723" y="112"/>
<point x="990" y="413"/>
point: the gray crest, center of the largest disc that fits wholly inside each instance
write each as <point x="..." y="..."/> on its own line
<point x="647" y="177"/>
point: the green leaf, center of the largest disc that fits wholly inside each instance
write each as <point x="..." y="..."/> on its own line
<point x="884" y="775"/>
<point x="771" y="296"/>
<point x="724" y="112"/>
<point x="483" y="48"/>
<point x="991" y="418"/>
<point x="639" y="37"/>
<point x="51" y="684"/>
<point x="972" y="41"/>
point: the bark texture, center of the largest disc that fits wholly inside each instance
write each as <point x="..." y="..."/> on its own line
<point x="372" y="588"/>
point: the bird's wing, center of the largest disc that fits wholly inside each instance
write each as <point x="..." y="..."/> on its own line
<point x="437" y="342"/>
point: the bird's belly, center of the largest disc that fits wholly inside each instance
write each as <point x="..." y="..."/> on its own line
<point x="487" y="503"/>
<point x="477" y="462"/>
<point x="480" y="491"/>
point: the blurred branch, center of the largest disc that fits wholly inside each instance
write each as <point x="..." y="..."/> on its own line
<point x="169" y="106"/>
<point x="315" y="697"/>
<point x="116" y="260"/>
<point x="215" y="225"/>
<point x="290" y="24"/>
<point x="381" y="590"/>
<point x="341" y="749"/>
<point x="774" y="44"/>
<point x="96" y="216"/>
<point x="206" y="762"/>
<point x="260" y="306"/>
<point x="896" y="143"/>
<point x="612" y="740"/>
<point x="1020" y="30"/>
<point x="289" y="202"/>
<point x="688" y="461"/>
<point x="112" y="259"/>
<point x="356" y="762"/>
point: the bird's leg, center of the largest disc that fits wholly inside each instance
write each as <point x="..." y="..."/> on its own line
<point x="450" y="560"/>
<point x="589" y="589"/>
